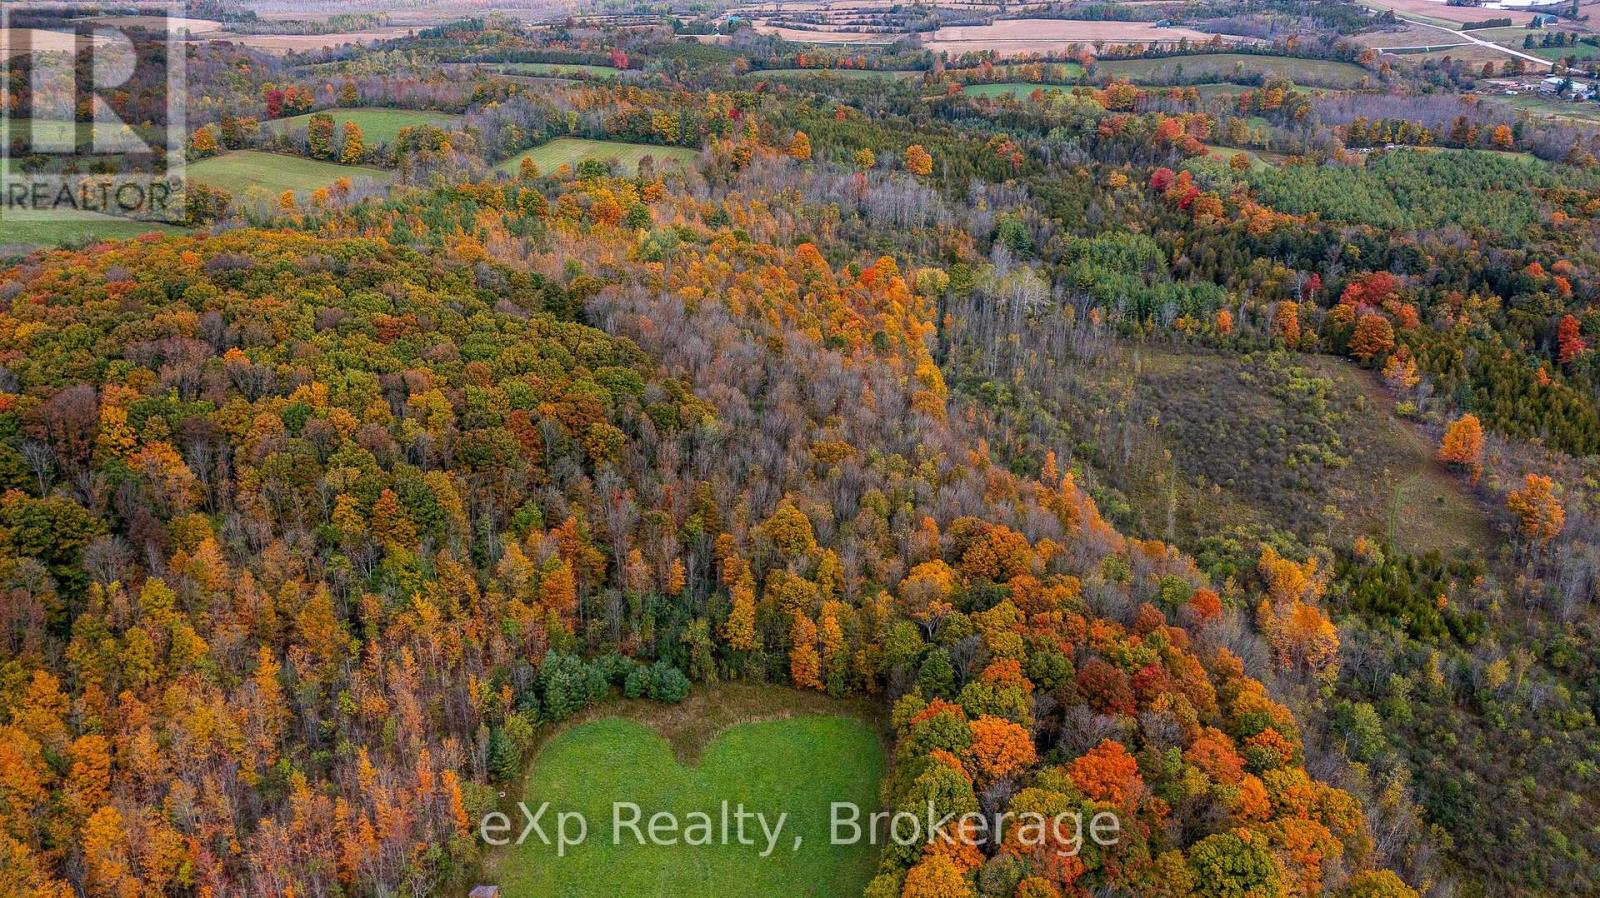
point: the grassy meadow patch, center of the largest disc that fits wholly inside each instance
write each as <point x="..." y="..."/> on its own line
<point x="238" y="171"/>
<point x="377" y="125"/>
<point x="692" y="757"/>
<point x="573" y="150"/>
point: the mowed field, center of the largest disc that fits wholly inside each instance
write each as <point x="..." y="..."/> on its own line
<point x="1010" y="37"/>
<point x="1437" y="12"/>
<point x="377" y="125"/>
<point x="573" y="150"/>
<point x="161" y="24"/>
<point x="52" y="133"/>
<point x="824" y="35"/>
<point x="1019" y="89"/>
<point x="1223" y="66"/>
<point x="240" y="170"/>
<point x="841" y="74"/>
<point x="556" y="68"/>
<point x="1554" y="54"/>
<point x="280" y="44"/>
<point x="1548" y="107"/>
<point x="64" y="229"/>
<point x="677" y="760"/>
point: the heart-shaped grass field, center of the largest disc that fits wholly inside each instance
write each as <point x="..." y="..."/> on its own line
<point x="797" y="765"/>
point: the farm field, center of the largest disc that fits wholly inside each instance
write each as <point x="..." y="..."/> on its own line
<point x="842" y="74"/>
<point x="194" y="26"/>
<point x="1210" y="66"/>
<point x="240" y="170"/>
<point x="573" y="150"/>
<point x="86" y="227"/>
<point x="107" y="134"/>
<point x="1026" y="71"/>
<point x="1472" y="54"/>
<point x="377" y="125"/>
<point x="769" y="757"/>
<point x="827" y="36"/>
<point x="281" y="44"/>
<point x="1439" y="13"/>
<point x="1014" y="36"/>
<point x="1221" y="89"/>
<point x="1412" y="35"/>
<point x="17" y="41"/>
<point x="1018" y="89"/>
<point x="1548" y="107"/>
<point x="1581" y="51"/>
<point x="556" y="68"/>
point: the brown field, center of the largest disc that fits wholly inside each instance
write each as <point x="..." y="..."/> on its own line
<point x="1471" y="53"/>
<point x="14" y="41"/>
<point x="1409" y="36"/>
<point x="194" y="26"/>
<point x="1014" y="36"/>
<point x="763" y="10"/>
<point x="1475" y="54"/>
<point x="301" y="43"/>
<point x="1435" y="9"/>
<point x="433" y="12"/>
<point x="829" y="36"/>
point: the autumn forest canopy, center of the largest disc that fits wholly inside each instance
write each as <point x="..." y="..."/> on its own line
<point x="1201" y="431"/>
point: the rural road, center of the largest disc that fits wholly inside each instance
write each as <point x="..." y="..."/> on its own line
<point x="1474" y="39"/>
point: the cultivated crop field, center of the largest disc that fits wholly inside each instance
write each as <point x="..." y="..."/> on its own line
<point x="279" y="44"/>
<point x="240" y="170"/>
<point x="1445" y="15"/>
<point x="377" y="125"/>
<point x="1010" y="37"/>
<point x="573" y="150"/>
<point x="671" y="759"/>
<point x="827" y="35"/>
<point x="1212" y="66"/>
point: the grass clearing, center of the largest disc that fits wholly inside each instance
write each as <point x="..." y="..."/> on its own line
<point x="1233" y="67"/>
<point x="1556" y="54"/>
<point x="74" y="230"/>
<point x="1019" y="89"/>
<point x="1225" y="154"/>
<point x="1306" y="444"/>
<point x="1428" y="511"/>
<point x="773" y="749"/>
<point x="1548" y="107"/>
<point x="238" y="171"/>
<point x="377" y="125"/>
<point x="25" y="132"/>
<point x="840" y="74"/>
<point x="573" y="150"/>
<point x="557" y="68"/>
<point x="1039" y="72"/>
<point x="1222" y="89"/>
